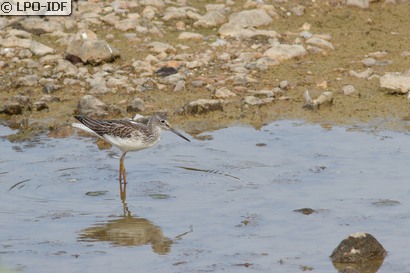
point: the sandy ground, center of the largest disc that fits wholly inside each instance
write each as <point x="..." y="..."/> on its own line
<point x="355" y="34"/>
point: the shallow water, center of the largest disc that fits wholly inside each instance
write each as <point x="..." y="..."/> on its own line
<point x="222" y="204"/>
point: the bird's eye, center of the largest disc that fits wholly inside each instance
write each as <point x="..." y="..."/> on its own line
<point x="162" y="121"/>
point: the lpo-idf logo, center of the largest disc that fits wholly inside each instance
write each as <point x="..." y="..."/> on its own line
<point x="35" y="7"/>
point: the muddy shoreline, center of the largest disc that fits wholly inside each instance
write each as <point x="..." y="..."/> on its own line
<point x="380" y="32"/>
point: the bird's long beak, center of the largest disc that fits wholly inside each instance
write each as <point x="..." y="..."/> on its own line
<point x="178" y="134"/>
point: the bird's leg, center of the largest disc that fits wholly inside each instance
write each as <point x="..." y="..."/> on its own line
<point x="123" y="179"/>
<point x="123" y="176"/>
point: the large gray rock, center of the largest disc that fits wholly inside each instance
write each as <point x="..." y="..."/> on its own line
<point x="86" y="45"/>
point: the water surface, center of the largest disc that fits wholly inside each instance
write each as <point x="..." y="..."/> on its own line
<point x="222" y="204"/>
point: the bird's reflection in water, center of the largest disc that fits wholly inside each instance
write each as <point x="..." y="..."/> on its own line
<point x="129" y="231"/>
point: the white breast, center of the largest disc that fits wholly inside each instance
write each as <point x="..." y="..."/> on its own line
<point x="128" y="144"/>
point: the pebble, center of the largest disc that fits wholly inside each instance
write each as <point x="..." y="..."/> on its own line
<point x="252" y="100"/>
<point x="203" y="106"/>
<point x="223" y="93"/>
<point x="160" y="47"/>
<point x="190" y="36"/>
<point x="179" y="86"/>
<point x="90" y="106"/>
<point x="12" y="108"/>
<point x="40" y="105"/>
<point x="29" y="80"/>
<point x="363" y="74"/>
<point x="321" y="43"/>
<point x="211" y="19"/>
<point x="282" y="52"/>
<point x="364" y="4"/>
<point x="242" y="24"/>
<point x="348" y="89"/>
<point x="137" y="105"/>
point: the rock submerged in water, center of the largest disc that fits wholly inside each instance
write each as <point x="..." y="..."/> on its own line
<point x="359" y="250"/>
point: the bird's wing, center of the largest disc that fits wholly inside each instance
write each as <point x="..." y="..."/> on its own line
<point x="116" y="128"/>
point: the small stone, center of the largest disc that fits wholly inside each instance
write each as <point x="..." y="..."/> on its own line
<point x="298" y="10"/>
<point x="49" y="98"/>
<point x="159" y="47"/>
<point x="202" y="106"/>
<point x="362" y="75"/>
<point x="284" y="85"/>
<point x="190" y="36"/>
<point x="321" y="43"/>
<point x="305" y="211"/>
<point x="224" y="57"/>
<point x="137" y="105"/>
<point x="223" y="93"/>
<point x="369" y="62"/>
<point x="282" y="52"/>
<point x="166" y="71"/>
<point x="197" y="83"/>
<point x="126" y="24"/>
<point x="252" y="100"/>
<point x="28" y="80"/>
<point x="211" y="19"/>
<point x="348" y="89"/>
<point x="50" y="88"/>
<point x="364" y="4"/>
<point x="92" y="107"/>
<point x="40" y="105"/>
<point x="12" y="108"/>
<point x="179" y="86"/>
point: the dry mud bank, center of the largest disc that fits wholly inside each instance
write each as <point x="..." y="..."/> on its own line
<point x="208" y="65"/>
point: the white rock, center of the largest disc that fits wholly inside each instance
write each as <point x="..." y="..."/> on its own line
<point x="364" y="4"/>
<point x="363" y="75"/>
<point x="395" y="81"/>
<point x="348" y="89"/>
<point x="40" y="49"/>
<point x="282" y="52"/>
<point x="252" y="100"/>
<point x="159" y="47"/>
<point x="250" y="18"/>
<point x="190" y="36"/>
<point x="315" y="41"/>
<point x="223" y="93"/>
